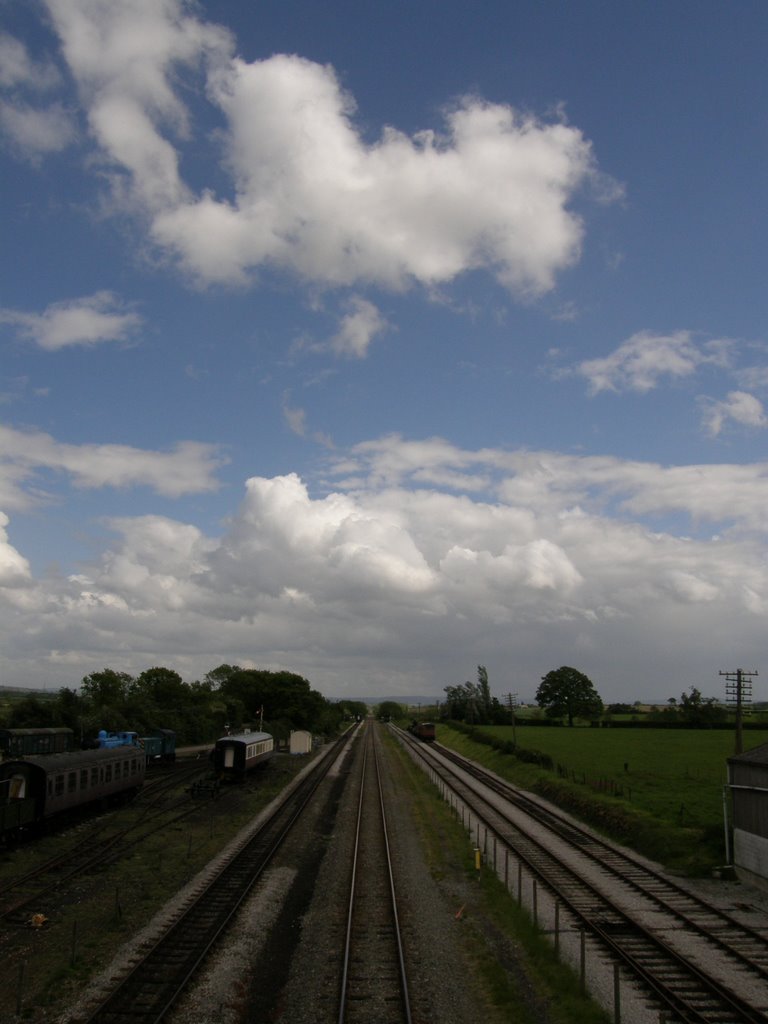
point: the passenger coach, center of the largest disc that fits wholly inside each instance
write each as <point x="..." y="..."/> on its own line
<point x="33" y="790"/>
<point x="234" y="756"/>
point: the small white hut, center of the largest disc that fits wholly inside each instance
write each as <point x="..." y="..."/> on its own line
<point x="300" y="741"/>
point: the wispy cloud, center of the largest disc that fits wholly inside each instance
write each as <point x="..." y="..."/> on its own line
<point x="737" y="407"/>
<point x="358" y="327"/>
<point x="87" y="321"/>
<point x="641" y="362"/>
<point x="188" y="468"/>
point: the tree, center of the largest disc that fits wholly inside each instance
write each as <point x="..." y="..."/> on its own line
<point x="390" y="710"/>
<point x="566" y="691"/>
<point x="700" y="710"/>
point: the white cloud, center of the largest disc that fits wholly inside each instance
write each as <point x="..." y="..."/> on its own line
<point x="358" y="328"/>
<point x="295" y="417"/>
<point x="32" y="130"/>
<point x="14" y="568"/>
<point x="396" y="586"/>
<point x="18" y="69"/>
<point x="37" y="132"/>
<point x="640" y="363"/>
<point x="739" y="407"/>
<point x="86" y="321"/>
<point x="189" y="468"/>
<point x="309" y="194"/>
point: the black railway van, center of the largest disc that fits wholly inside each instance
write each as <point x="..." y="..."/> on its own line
<point x="31" y="742"/>
<point x="234" y="756"/>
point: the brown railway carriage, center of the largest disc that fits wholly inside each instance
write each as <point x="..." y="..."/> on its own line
<point x="35" y="789"/>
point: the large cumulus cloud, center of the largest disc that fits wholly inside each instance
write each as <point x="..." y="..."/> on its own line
<point x="384" y="584"/>
<point x="308" y="193"/>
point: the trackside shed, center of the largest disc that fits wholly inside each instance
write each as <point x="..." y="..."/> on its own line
<point x="300" y="741"/>
<point x="748" y="781"/>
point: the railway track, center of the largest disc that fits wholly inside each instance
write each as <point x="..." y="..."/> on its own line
<point x="696" y="961"/>
<point x="374" y="985"/>
<point x="156" y="980"/>
<point x="102" y="845"/>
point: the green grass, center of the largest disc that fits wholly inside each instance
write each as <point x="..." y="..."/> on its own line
<point x="521" y="976"/>
<point x="676" y="775"/>
<point x="667" y="804"/>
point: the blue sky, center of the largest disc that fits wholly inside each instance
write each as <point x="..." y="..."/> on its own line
<point x="379" y="342"/>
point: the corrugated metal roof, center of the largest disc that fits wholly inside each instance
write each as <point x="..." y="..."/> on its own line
<point x="757" y="755"/>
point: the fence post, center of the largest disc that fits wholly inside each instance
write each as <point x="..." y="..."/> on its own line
<point x="20" y="990"/>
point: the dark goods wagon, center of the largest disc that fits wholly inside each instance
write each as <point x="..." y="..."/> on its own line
<point x="34" y="791"/>
<point x="235" y="756"/>
<point x="31" y="742"/>
<point x="423" y="731"/>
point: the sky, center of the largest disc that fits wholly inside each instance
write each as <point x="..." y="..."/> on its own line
<point x="377" y="342"/>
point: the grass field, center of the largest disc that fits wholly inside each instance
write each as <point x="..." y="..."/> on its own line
<point x="671" y="778"/>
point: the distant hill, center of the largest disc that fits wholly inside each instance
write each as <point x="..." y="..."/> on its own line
<point x="410" y="702"/>
<point x="24" y="691"/>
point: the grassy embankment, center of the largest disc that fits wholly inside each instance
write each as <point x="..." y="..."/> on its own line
<point x="514" y="961"/>
<point x="659" y="791"/>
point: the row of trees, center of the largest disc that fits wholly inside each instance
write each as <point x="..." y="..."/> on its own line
<point x="226" y="699"/>
<point x="473" y="703"/>
<point x="563" y="693"/>
<point x="567" y="693"/>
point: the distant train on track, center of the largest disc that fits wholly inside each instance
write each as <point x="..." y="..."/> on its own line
<point x="14" y="743"/>
<point x="26" y="742"/>
<point x="37" y="790"/>
<point x="423" y="731"/>
<point x="159" y="745"/>
<point x="235" y="756"/>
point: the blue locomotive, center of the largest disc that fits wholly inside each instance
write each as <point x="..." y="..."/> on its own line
<point x="159" y="745"/>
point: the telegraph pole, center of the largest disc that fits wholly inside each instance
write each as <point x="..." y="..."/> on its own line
<point x="738" y="692"/>
<point x="512" y="704"/>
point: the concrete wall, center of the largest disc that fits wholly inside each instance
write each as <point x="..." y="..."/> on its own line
<point x="750" y="857"/>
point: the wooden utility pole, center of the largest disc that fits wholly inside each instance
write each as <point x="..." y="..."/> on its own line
<point x="512" y="704"/>
<point x="738" y="692"/>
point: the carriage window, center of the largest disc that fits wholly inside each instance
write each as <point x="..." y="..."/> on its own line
<point x="83" y="778"/>
<point x="72" y="782"/>
<point x="59" y="786"/>
<point x="117" y="770"/>
<point x="108" y="773"/>
<point x="94" y="776"/>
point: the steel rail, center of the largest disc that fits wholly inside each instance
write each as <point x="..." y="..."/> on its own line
<point x="88" y="854"/>
<point x="635" y="874"/>
<point x="393" y="896"/>
<point x="153" y="985"/>
<point x="741" y="1010"/>
<point x="357" y="856"/>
